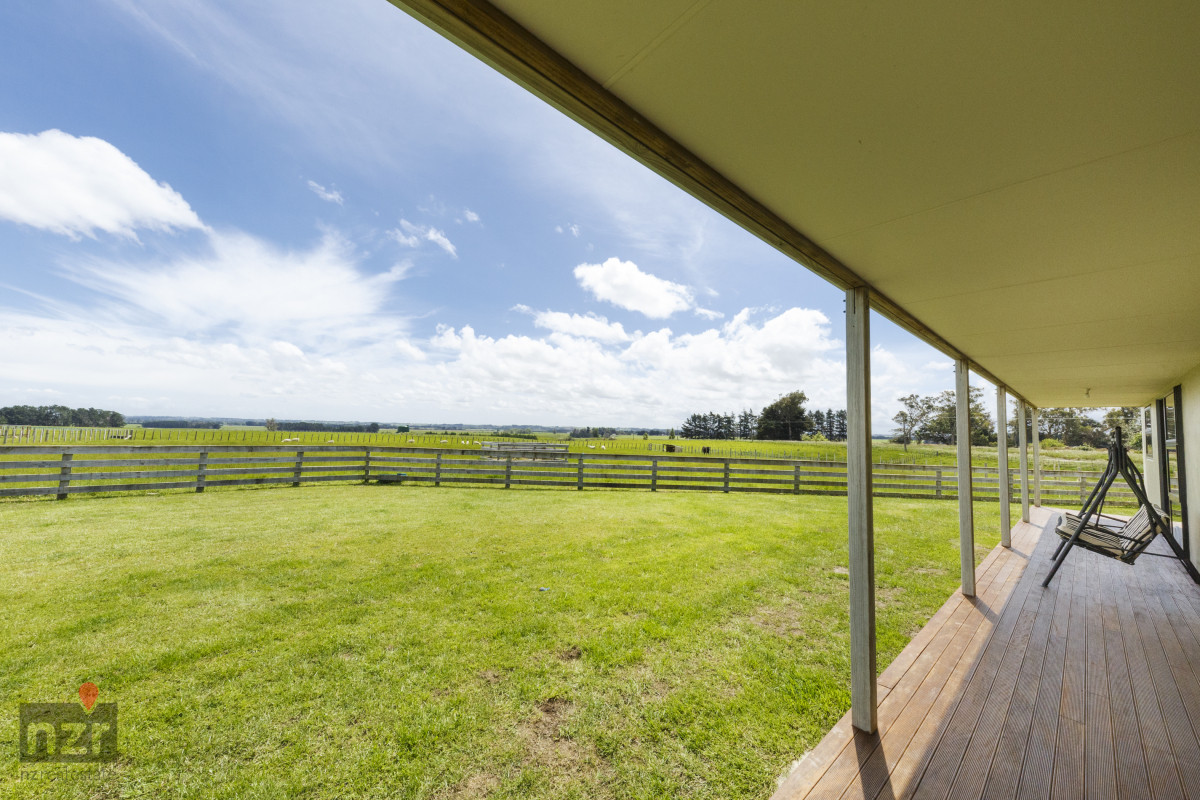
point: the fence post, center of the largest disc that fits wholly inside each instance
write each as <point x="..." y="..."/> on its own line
<point x="796" y="479"/>
<point x="654" y="474"/>
<point x="726" y="477"/>
<point x="366" y="465"/>
<point x="437" y="472"/>
<point x="1082" y="491"/>
<point x="202" y="468"/>
<point x="508" y="472"/>
<point x="297" y="470"/>
<point x="579" y="478"/>
<point x="64" y="476"/>
<point x="938" y="489"/>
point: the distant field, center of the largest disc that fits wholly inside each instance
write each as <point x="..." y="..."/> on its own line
<point x="403" y="642"/>
<point x="883" y="451"/>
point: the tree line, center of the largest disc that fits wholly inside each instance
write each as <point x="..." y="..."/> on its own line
<point x="786" y="419"/>
<point x="61" y="415"/>
<point x="932" y="419"/>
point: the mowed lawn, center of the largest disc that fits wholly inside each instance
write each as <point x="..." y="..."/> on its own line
<point x="395" y="641"/>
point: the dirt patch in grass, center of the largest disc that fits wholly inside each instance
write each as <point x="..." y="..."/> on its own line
<point x="478" y="785"/>
<point x="572" y="653"/>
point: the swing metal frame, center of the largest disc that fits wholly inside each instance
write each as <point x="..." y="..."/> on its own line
<point x="1108" y="536"/>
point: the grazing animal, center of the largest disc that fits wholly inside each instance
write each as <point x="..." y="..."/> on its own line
<point x="602" y="447"/>
<point x="410" y="441"/>
<point x="477" y="443"/>
<point x="330" y="441"/>
<point x="445" y="441"/>
<point x="591" y="447"/>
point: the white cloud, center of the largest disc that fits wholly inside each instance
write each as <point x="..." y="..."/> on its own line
<point x="470" y="215"/>
<point x="708" y="313"/>
<point x="439" y="238"/>
<point x="240" y="283"/>
<point x="411" y="235"/>
<point x="623" y="284"/>
<point x="77" y="185"/>
<point x="330" y="195"/>
<point x="586" y="326"/>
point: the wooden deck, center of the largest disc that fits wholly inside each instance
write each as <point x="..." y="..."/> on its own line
<point x="1087" y="689"/>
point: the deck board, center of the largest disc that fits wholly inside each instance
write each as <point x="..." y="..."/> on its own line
<point x="1087" y="689"/>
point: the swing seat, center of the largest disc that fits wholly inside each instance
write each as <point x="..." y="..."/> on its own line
<point x="1124" y="541"/>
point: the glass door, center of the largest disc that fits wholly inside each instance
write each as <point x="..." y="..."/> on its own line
<point x="1170" y="460"/>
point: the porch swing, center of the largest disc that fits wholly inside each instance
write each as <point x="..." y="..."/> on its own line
<point x="1113" y="537"/>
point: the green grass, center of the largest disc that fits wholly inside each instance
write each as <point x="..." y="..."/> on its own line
<point x="882" y="451"/>
<point x="375" y="641"/>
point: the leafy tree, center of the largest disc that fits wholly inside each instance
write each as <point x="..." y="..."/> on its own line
<point x="941" y="425"/>
<point x="747" y="424"/>
<point x="910" y="419"/>
<point x="272" y="425"/>
<point x="785" y="418"/>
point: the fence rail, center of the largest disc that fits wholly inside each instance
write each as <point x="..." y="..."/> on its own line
<point x="65" y="470"/>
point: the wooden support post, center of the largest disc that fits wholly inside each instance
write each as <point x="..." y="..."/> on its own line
<point x="1002" y="484"/>
<point x="938" y="484"/>
<point x="1037" y="461"/>
<point x="863" y="688"/>
<point x="1023" y="455"/>
<point x="201" y="470"/>
<point x="299" y="468"/>
<point x="579" y="479"/>
<point x="437" y="471"/>
<point x="966" y="506"/>
<point x="654" y="474"/>
<point x="796" y="479"/>
<point x="508" y="472"/>
<point x="726" y="489"/>
<point x="64" y="476"/>
<point x="366" y="465"/>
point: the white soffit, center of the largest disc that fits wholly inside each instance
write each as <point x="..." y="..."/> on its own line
<point x="1024" y="179"/>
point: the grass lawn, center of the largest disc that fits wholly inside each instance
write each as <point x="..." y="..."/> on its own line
<point x="368" y="641"/>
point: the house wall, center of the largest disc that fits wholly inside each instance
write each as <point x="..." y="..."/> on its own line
<point x="1191" y="444"/>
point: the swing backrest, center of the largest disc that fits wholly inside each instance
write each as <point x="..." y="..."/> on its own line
<point x="1140" y="530"/>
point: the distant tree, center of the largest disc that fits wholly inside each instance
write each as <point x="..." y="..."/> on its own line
<point x="941" y="425"/>
<point x="911" y="418"/>
<point x="839" y="426"/>
<point x="272" y="425"/>
<point x="694" y="427"/>
<point x="785" y="418"/>
<point x="747" y="424"/>
<point x="1128" y="418"/>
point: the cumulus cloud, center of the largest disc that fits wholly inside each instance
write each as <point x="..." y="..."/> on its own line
<point x="411" y="235"/>
<point x="623" y="284"/>
<point x="587" y="326"/>
<point x="329" y="195"/>
<point x="78" y="185"/>
<point x="470" y="215"/>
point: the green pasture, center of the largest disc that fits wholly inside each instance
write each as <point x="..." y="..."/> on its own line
<point x="883" y="451"/>
<point x="404" y="642"/>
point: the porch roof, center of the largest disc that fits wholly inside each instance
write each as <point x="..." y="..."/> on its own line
<point x="1019" y="184"/>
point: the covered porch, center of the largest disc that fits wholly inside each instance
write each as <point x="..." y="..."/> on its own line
<point x="1089" y="688"/>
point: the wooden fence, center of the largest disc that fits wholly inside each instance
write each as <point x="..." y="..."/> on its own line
<point x="66" y="470"/>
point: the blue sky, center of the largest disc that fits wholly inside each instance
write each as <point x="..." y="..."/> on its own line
<point x="325" y="210"/>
